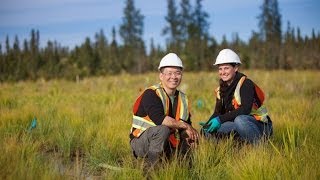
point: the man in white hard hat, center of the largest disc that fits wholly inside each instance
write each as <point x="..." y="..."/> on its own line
<point x="161" y="116"/>
<point x="239" y="109"/>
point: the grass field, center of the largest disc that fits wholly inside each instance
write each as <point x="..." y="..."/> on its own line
<point x="82" y="124"/>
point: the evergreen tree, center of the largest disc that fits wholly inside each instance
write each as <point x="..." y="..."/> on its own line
<point x="200" y="21"/>
<point x="7" y="44"/>
<point x="173" y="29"/>
<point x="51" y="56"/>
<point x="186" y="19"/>
<point x="100" y="64"/>
<point x="198" y="38"/>
<point x="114" y="64"/>
<point x="35" y="61"/>
<point x="255" y="43"/>
<point x="287" y="61"/>
<point x="8" y="67"/>
<point x="155" y="55"/>
<point x="18" y="65"/>
<point x="1" y="64"/>
<point x="270" y="33"/>
<point x="84" y="58"/>
<point x="131" y="31"/>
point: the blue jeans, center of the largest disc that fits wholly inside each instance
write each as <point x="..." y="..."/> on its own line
<point x="247" y="128"/>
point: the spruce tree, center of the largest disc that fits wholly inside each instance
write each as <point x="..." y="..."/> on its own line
<point x="270" y="33"/>
<point x="131" y="31"/>
<point x="173" y="28"/>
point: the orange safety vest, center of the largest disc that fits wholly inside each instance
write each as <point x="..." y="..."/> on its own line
<point x="140" y="124"/>
<point x="260" y="113"/>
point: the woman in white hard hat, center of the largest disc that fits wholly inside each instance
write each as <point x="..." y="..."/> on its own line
<point x="239" y="108"/>
<point x="161" y="116"/>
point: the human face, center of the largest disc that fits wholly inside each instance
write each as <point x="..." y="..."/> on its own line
<point x="170" y="77"/>
<point x="227" y="72"/>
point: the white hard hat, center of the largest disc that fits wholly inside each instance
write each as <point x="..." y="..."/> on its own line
<point x="227" y="56"/>
<point x="170" y="59"/>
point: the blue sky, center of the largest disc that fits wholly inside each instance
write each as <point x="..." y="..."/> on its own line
<point x="70" y="21"/>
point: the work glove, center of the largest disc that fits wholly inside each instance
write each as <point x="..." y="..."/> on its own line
<point x="212" y="125"/>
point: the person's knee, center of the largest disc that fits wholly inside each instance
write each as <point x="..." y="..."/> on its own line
<point x="243" y="125"/>
<point x="158" y="140"/>
<point x="247" y="128"/>
<point x="240" y="122"/>
<point x="162" y="131"/>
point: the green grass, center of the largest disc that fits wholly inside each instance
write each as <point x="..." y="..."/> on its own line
<point x="80" y="125"/>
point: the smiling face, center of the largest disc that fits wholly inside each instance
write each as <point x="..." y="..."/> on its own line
<point x="170" y="78"/>
<point x="227" y="72"/>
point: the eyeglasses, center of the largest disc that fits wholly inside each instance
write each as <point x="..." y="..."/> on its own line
<point x="176" y="74"/>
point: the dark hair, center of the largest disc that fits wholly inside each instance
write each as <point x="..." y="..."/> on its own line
<point x="234" y="64"/>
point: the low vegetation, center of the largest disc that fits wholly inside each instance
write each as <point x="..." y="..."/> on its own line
<point x="81" y="125"/>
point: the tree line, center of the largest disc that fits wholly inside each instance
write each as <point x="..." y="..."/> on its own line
<point x="186" y="34"/>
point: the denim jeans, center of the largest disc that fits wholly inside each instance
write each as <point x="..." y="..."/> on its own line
<point x="247" y="128"/>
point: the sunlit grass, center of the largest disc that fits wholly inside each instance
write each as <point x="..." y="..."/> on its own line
<point x="81" y="125"/>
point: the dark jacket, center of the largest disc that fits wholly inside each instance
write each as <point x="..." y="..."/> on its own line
<point x="224" y="108"/>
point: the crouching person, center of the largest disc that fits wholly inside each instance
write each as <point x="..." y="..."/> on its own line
<point x="239" y="109"/>
<point x="161" y="118"/>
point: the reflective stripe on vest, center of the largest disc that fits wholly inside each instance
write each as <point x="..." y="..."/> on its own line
<point x="259" y="113"/>
<point x="140" y="124"/>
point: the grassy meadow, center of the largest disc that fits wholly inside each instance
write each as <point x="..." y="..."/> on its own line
<point x="83" y="124"/>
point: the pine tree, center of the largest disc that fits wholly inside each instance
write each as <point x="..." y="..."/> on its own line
<point x="100" y="65"/>
<point x="173" y="28"/>
<point x="197" y="44"/>
<point x="114" y="64"/>
<point x="18" y="65"/>
<point x="155" y="55"/>
<point x="186" y="19"/>
<point x="270" y="33"/>
<point x="8" y="67"/>
<point x="287" y="60"/>
<point x="84" y="59"/>
<point x="1" y="64"/>
<point x="200" y="21"/>
<point x="52" y="67"/>
<point x="131" y="31"/>
<point x="35" y="61"/>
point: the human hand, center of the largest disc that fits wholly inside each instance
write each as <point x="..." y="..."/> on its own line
<point x="192" y="144"/>
<point x="212" y="125"/>
<point x="192" y="136"/>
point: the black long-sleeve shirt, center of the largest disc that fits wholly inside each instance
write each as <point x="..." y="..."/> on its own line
<point x="152" y="106"/>
<point x="224" y="108"/>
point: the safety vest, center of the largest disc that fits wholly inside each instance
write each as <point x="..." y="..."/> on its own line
<point x="260" y="113"/>
<point x="140" y="124"/>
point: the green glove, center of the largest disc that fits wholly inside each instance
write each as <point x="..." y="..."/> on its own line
<point x="212" y="125"/>
<point x="202" y="123"/>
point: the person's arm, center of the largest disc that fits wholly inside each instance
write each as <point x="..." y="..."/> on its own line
<point x="217" y="109"/>
<point x="247" y="96"/>
<point x="153" y="107"/>
<point x="172" y="123"/>
<point x="192" y="133"/>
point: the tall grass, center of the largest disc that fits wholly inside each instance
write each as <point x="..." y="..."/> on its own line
<point x="81" y="125"/>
